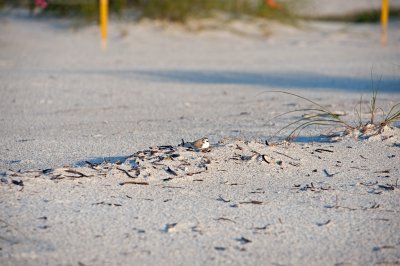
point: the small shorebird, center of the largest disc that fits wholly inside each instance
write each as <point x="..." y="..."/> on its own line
<point x="201" y="144"/>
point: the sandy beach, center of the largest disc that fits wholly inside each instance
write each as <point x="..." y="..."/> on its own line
<point x="91" y="163"/>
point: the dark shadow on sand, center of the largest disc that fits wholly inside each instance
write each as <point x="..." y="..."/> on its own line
<point x="275" y="80"/>
<point x="300" y="139"/>
<point x="265" y="80"/>
<point x="302" y="80"/>
<point x="119" y="159"/>
<point x="311" y="139"/>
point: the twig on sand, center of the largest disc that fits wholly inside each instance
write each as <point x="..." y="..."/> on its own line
<point x="220" y="198"/>
<point x="224" y="219"/>
<point x="126" y="172"/>
<point x="134" y="183"/>
<point x="295" y="159"/>
<point x="72" y="171"/>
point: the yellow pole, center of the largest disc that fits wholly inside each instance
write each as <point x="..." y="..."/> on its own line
<point x="384" y="22"/>
<point x="103" y="22"/>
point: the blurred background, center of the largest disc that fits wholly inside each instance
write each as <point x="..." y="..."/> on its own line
<point x="173" y="10"/>
<point x="181" y="10"/>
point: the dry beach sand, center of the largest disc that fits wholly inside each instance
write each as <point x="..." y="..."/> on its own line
<point x="80" y="184"/>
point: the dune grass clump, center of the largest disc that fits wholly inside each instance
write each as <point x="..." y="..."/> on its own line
<point x="319" y="115"/>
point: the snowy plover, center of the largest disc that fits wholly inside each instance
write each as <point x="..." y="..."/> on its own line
<point x="201" y="143"/>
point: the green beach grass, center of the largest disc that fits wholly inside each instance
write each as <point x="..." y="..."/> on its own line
<point x="321" y="116"/>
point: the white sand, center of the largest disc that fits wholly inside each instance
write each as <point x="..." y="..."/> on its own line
<point x="65" y="101"/>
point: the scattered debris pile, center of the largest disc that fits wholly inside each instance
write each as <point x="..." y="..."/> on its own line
<point x="161" y="163"/>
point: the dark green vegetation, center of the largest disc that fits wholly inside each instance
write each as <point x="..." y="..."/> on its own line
<point x="171" y="10"/>
<point x="181" y="10"/>
<point x="367" y="16"/>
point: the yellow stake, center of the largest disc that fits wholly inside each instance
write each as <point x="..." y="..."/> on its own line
<point x="103" y="21"/>
<point x="384" y="21"/>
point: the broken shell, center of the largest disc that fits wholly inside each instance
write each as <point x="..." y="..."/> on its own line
<point x="267" y="159"/>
